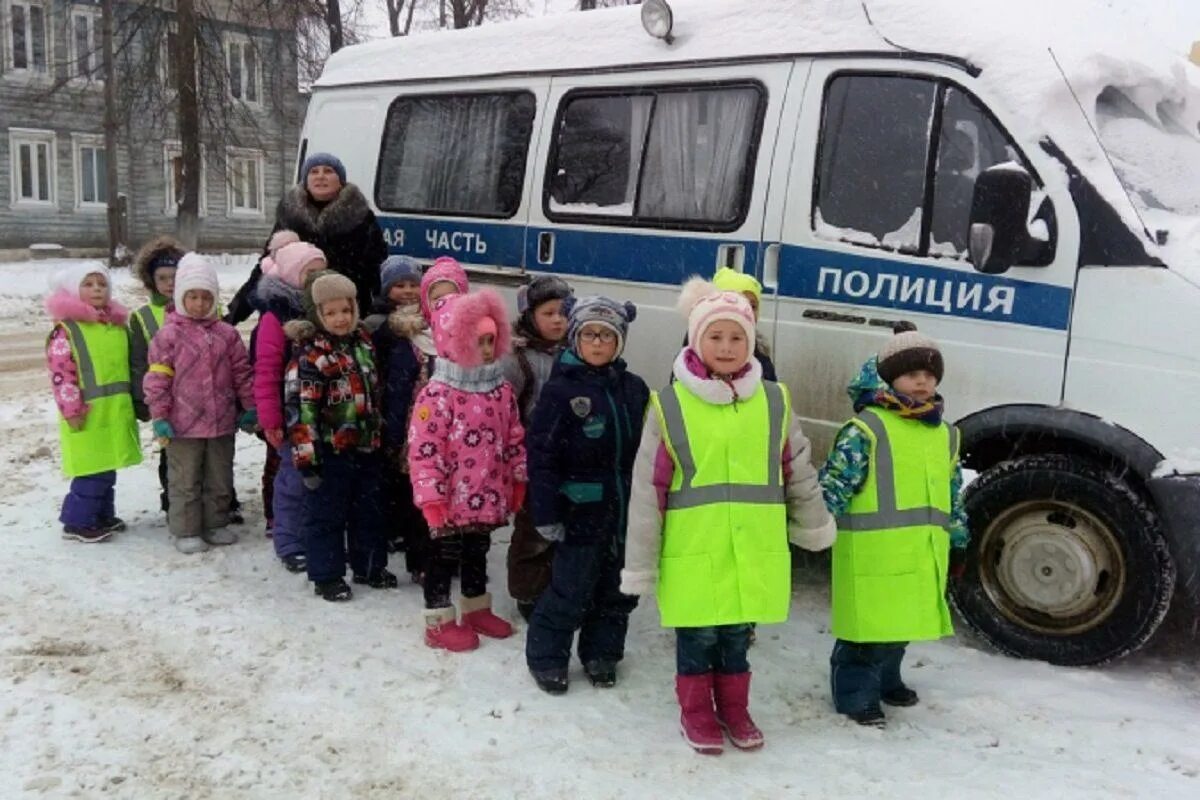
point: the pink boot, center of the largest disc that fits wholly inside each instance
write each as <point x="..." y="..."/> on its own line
<point x="733" y="699"/>
<point x="697" y="719"/>
<point x="477" y="615"/>
<point x="443" y="633"/>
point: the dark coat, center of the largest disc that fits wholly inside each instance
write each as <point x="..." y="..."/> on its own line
<point x="344" y="229"/>
<point x="582" y="442"/>
<point x="399" y="367"/>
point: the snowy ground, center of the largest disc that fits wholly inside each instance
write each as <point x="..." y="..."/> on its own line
<point x="128" y="670"/>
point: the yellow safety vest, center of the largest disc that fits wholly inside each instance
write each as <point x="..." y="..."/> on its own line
<point x="725" y="557"/>
<point x="150" y="319"/>
<point x="109" y="437"/>
<point x="893" y="545"/>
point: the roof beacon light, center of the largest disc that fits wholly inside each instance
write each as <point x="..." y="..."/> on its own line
<point x="658" y="19"/>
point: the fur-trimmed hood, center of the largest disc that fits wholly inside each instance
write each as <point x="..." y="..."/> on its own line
<point x="406" y="321"/>
<point x="63" y="305"/>
<point x="151" y="249"/>
<point x="691" y="372"/>
<point x="342" y="214"/>
<point x="454" y="326"/>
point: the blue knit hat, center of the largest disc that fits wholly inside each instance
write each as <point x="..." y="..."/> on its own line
<point x="600" y="310"/>
<point x="398" y="268"/>
<point x="323" y="160"/>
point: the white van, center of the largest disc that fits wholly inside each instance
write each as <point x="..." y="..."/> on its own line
<point x="1036" y="209"/>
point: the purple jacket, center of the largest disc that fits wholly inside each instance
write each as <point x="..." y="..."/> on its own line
<point x="199" y="371"/>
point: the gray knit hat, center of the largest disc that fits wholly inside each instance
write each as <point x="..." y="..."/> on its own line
<point x="601" y="310"/>
<point x="908" y="351"/>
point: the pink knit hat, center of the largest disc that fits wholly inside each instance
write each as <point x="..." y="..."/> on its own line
<point x="291" y="260"/>
<point x="444" y="269"/>
<point x="703" y="304"/>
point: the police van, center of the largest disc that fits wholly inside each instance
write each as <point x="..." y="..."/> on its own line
<point x="1028" y="204"/>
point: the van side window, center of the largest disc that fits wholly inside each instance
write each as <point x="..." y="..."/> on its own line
<point x="874" y="185"/>
<point x="461" y="155"/>
<point x="679" y="157"/>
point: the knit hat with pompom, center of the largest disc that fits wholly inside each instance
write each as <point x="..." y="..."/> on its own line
<point x="908" y="351"/>
<point x="703" y="304"/>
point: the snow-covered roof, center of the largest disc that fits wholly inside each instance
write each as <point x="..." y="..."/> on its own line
<point x="1022" y="47"/>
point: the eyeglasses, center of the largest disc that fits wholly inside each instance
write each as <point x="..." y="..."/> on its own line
<point x="591" y="337"/>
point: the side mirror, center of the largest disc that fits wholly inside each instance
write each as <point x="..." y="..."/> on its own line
<point x="999" y="210"/>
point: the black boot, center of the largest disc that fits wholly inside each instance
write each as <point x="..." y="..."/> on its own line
<point x="112" y="525"/>
<point x="551" y="681"/>
<point x="335" y="591"/>
<point x="903" y="696"/>
<point x="602" y="674"/>
<point x="872" y="717"/>
<point x="525" y="609"/>
<point x="296" y="562"/>
<point x="380" y="579"/>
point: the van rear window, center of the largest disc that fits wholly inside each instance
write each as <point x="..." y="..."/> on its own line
<point x="672" y="157"/>
<point x="459" y="155"/>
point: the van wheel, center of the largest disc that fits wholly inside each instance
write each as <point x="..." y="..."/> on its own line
<point x="1067" y="563"/>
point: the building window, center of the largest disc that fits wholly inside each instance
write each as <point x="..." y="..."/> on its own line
<point x="28" y="36"/>
<point x="32" y="168"/>
<point x="85" y="44"/>
<point x="245" y="77"/>
<point x="173" y="179"/>
<point x="91" y="176"/>
<point x="245" y="177"/>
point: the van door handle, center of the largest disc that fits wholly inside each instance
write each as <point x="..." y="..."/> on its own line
<point x="732" y="256"/>
<point x="545" y="254"/>
<point x="771" y="268"/>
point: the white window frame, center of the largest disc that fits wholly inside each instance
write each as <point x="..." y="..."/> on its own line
<point x="34" y="137"/>
<point x="45" y="74"/>
<point x="233" y="155"/>
<point x="242" y="41"/>
<point x="95" y="73"/>
<point x="79" y="142"/>
<point x="173" y="148"/>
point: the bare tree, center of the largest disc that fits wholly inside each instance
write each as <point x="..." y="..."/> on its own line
<point x="187" y="216"/>
<point x="333" y="18"/>
<point x="395" y="8"/>
<point x="117" y="249"/>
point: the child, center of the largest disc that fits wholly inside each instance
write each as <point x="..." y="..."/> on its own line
<point x="467" y="460"/>
<point x="537" y="341"/>
<point x="280" y="300"/>
<point x="88" y="355"/>
<point x="897" y="458"/>
<point x="721" y="483"/>
<point x="581" y="450"/>
<point x="730" y="280"/>
<point x="332" y="411"/>
<point x="199" y="371"/>
<point x="400" y="362"/>
<point x="155" y="267"/>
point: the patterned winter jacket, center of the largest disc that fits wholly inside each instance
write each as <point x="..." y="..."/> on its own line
<point x="845" y="471"/>
<point x="278" y="304"/>
<point x="466" y="446"/>
<point x="199" y="372"/>
<point x="331" y="394"/>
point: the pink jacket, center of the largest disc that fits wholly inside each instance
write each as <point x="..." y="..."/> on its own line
<point x="270" y="362"/>
<point x="64" y="372"/>
<point x="199" y="370"/>
<point x="466" y="451"/>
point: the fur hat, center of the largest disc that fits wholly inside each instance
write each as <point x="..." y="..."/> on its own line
<point x="290" y="261"/>
<point x="456" y="325"/>
<point x="63" y="300"/>
<point x="907" y="351"/>
<point x="69" y="278"/>
<point x="323" y="160"/>
<point x="161" y="251"/>
<point x="703" y="304"/>
<point x="599" y="311"/>
<point x="196" y="273"/>
<point x="444" y="269"/>
<point x="325" y="286"/>
<point x="730" y="280"/>
<point x="542" y="289"/>
<point x="398" y="268"/>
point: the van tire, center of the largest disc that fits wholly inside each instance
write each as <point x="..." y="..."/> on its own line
<point x="1067" y="562"/>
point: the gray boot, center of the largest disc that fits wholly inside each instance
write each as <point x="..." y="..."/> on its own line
<point x="190" y="545"/>
<point x="220" y="537"/>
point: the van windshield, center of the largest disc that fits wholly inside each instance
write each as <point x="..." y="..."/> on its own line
<point x="1155" y="152"/>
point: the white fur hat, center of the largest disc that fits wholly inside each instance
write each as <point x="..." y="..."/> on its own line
<point x="69" y="277"/>
<point x="196" y="273"/>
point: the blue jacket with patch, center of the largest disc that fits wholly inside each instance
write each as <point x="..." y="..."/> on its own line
<point x="582" y="440"/>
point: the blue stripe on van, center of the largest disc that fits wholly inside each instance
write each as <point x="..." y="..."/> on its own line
<point x="817" y="274"/>
<point x="805" y="272"/>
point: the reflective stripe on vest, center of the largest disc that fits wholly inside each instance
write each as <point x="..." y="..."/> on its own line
<point x="87" y="369"/>
<point x="149" y="321"/>
<point x="689" y="496"/>
<point x="889" y="514"/>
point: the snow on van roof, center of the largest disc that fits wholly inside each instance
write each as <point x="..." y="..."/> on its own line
<point x="1020" y="46"/>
